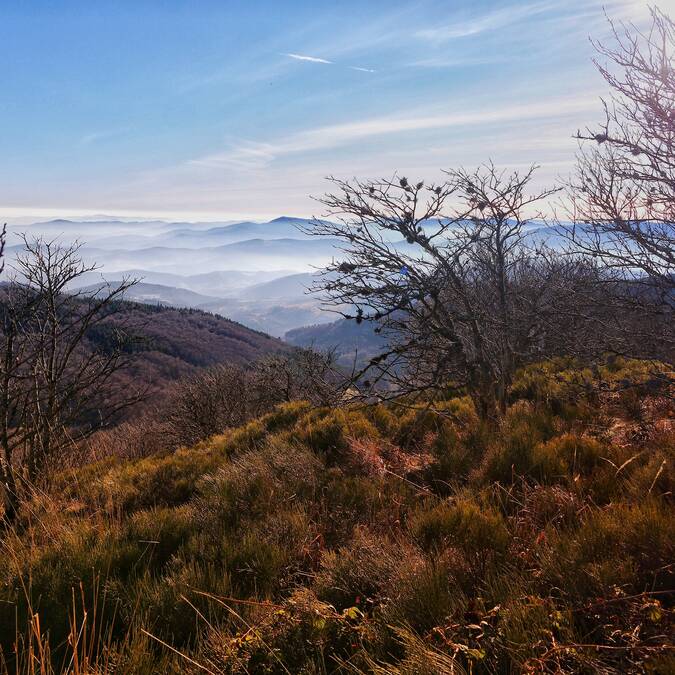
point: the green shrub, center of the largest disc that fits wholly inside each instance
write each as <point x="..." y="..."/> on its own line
<point x="559" y="384"/>
<point x="652" y="475"/>
<point x="565" y="456"/>
<point x="162" y="531"/>
<point x="426" y="592"/>
<point x="173" y="606"/>
<point x="453" y="459"/>
<point x="461" y="524"/>
<point x="284" y="416"/>
<point x="509" y="452"/>
<point x="629" y="547"/>
<point x="531" y="627"/>
<point x="415" y="425"/>
<point x="384" y="418"/>
<point x="327" y="432"/>
<point x="167" y="480"/>
<point x="239" y="440"/>
<point x="350" y="501"/>
<point x="303" y="635"/>
<point x="254" y="484"/>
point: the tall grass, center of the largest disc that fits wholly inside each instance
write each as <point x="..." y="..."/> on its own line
<point x="364" y="541"/>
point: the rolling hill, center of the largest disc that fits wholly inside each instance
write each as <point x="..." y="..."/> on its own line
<point x="351" y="342"/>
<point x="174" y="343"/>
<point x="156" y="294"/>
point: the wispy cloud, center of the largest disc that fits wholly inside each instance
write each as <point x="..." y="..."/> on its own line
<point x="96" y="136"/>
<point x="303" y="57"/>
<point x="291" y="166"/>
<point x="489" y="21"/>
<point x="316" y="59"/>
<point x="254" y="156"/>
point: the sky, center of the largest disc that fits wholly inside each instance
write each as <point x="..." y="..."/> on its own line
<point x="220" y="110"/>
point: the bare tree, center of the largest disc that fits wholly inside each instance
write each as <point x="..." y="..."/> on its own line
<point x="622" y="196"/>
<point x="60" y="352"/>
<point x="302" y="374"/>
<point x="227" y="396"/>
<point x="465" y="293"/>
<point x="208" y="403"/>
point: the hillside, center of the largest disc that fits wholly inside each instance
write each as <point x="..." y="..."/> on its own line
<point x="172" y="343"/>
<point x="398" y="539"/>
<point x="155" y="294"/>
<point x="351" y="341"/>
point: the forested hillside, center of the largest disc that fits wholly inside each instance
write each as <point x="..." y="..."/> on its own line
<point x="170" y="344"/>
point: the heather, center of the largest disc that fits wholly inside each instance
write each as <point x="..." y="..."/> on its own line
<point x="405" y="538"/>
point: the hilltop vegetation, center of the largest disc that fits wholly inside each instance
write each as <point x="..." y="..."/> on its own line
<point x="374" y="538"/>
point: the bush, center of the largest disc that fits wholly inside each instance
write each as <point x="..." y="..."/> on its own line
<point x="565" y="456"/>
<point x="358" y="573"/>
<point x="453" y="459"/>
<point x="350" y="501"/>
<point x="254" y="484"/>
<point x="531" y="627"/>
<point x="170" y="605"/>
<point x="131" y="486"/>
<point x="622" y="548"/>
<point x="509" y="452"/>
<point x="426" y="592"/>
<point x="462" y="524"/>
<point x="559" y="384"/>
<point x="304" y="635"/>
<point x="418" y="423"/>
<point x="328" y="432"/>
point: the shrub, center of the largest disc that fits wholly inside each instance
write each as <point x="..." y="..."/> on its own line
<point x="453" y="459"/>
<point x="284" y="416"/>
<point x="546" y="505"/>
<point x="426" y="592"/>
<point x="349" y="501"/>
<point x="167" y="480"/>
<point x="462" y="524"/>
<point x="624" y="547"/>
<point x="415" y="425"/>
<point x="254" y="484"/>
<point x="384" y="418"/>
<point x="328" y="432"/>
<point x="509" y="451"/>
<point x="559" y="384"/>
<point x="162" y="531"/>
<point x="358" y="573"/>
<point x="531" y="627"/>
<point x="170" y="605"/>
<point x="565" y="456"/>
<point x="303" y="635"/>
<point x="242" y="439"/>
<point x="653" y="475"/>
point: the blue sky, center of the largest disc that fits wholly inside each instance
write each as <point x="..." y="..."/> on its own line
<point x="229" y="109"/>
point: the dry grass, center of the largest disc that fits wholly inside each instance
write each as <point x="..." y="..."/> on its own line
<point x="364" y="541"/>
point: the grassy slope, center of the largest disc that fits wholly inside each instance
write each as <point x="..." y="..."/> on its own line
<point x="383" y="538"/>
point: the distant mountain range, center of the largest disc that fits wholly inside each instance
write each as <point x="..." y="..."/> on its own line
<point x="257" y="273"/>
<point x="154" y="294"/>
